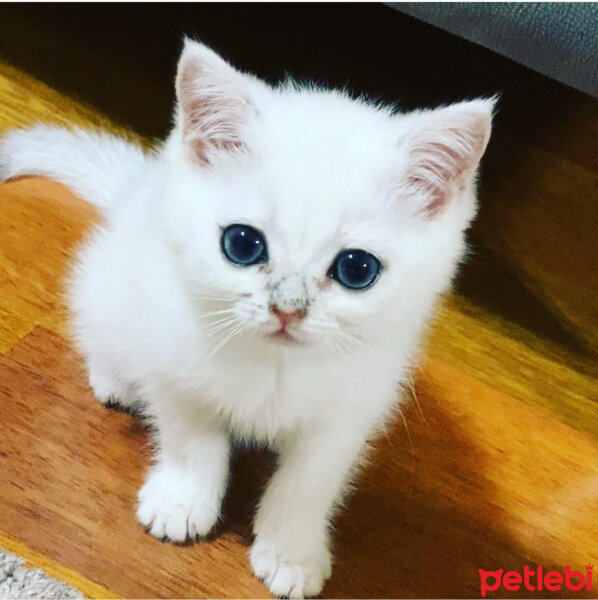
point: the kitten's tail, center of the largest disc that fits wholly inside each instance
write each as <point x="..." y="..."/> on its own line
<point x="95" y="166"/>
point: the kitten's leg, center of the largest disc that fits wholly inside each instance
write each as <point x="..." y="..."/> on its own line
<point x="182" y="495"/>
<point x="291" y="550"/>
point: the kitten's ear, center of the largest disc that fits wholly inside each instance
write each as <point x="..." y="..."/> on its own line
<point x="444" y="149"/>
<point x="213" y="101"/>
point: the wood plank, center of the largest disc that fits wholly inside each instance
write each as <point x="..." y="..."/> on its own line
<point x="472" y="482"/>
<point x="24" y="100"/>
<point x="480" y="481"/>
<point x="500" y="471"/>
<point x="70" y="471"/>
<point x="539" y="216"/>
<point x="41" y="226"/>
<point x="469" y="482"/>
<point x="512" y="360"/>
<point x="37" y="561"/>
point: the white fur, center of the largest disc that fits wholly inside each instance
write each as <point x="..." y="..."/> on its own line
<point x="94" y="165"/>
<point x="162" y="318"/>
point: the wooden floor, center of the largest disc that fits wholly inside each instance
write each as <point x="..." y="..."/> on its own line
<point x="494" y="463"/>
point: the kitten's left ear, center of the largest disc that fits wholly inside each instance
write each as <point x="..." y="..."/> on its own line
<point x="444" y="148"/>
<point x="213" y="101"/>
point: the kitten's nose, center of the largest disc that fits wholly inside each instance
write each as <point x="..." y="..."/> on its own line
<point x="286" y="317"/>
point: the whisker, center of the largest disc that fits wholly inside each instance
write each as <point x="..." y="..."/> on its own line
<point x="208" y="326"/>
<point x="352" y="338"/>
<point x="341" y="350"/>
<point x="417" y="404"/>
<point x="407" y="430"/>
<point x="347" y="342"/>
<point x="212" y="297"/>
<point x="213" y="331"/>
<point x="388" y="438"/>
<point x="230" y="335"/>
<point x="213" y="313"/>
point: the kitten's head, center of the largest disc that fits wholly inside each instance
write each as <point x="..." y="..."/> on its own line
<point x="306" y="217"/>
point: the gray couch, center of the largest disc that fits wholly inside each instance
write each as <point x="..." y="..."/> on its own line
<point x="558" y="39"/>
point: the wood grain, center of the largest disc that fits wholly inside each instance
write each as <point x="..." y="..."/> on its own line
<point x="486" y="482"/>
<point x="56" y="570"/>
<point x="497" y="481"/>
<point x="492" y="465"/>
<point x="24" y="100"/>
<point x="70" y="473"/>
<point x="513" y="360"/>
<point x="540" y="217"/>
<point x="33" y="272"/>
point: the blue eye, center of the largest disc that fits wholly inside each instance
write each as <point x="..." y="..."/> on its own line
<point x="243" y="245"/>
<point x="355" y="269"/>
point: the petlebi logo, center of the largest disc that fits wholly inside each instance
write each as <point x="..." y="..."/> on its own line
<point x="536" y="580"/>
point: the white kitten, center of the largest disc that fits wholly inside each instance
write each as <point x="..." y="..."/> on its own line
<point x="294" y="327"/>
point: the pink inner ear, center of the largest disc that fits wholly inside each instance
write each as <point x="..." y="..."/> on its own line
<point x="213" y="103"/>
<point x="436" y="197"/>
<point x="439" y="166"/>
<point x="212" y="121"/>
<point x="205" y="132"/>
<point x="201" y="149"/>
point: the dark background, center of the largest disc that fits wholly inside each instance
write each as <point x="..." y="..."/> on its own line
<point x="114" y="55"/>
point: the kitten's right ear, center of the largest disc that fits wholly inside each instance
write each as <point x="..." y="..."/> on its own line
<point x="213" y="101"/>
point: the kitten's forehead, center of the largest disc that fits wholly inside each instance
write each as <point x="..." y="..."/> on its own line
<point x="323" y="131"/>
<point x="321" y="160"/>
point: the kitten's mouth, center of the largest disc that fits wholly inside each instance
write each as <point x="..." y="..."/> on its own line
<point x="282" y="335"/>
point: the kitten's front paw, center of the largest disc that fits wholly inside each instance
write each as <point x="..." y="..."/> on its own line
<point x="173" y="506"/>
<point x="287" y="575"/>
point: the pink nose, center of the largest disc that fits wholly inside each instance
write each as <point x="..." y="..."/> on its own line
<point x="286" y="317"/>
